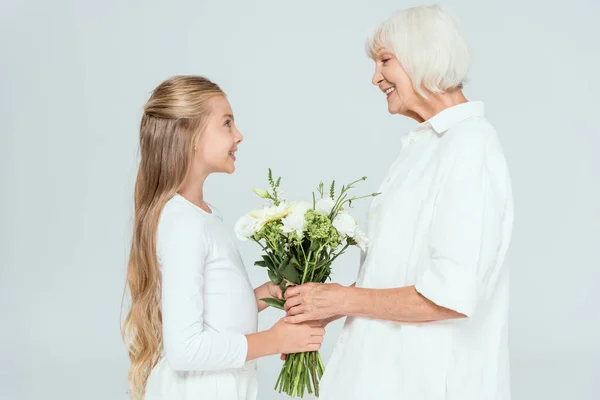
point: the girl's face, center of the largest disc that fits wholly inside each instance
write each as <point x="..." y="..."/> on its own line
<point x="216" y="147"/>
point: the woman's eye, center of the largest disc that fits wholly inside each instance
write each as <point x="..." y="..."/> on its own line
<point x="228" y="123"/>
<point x="385" y="61"/>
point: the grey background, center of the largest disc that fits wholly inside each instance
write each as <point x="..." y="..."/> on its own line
<point x="74" y="76"/>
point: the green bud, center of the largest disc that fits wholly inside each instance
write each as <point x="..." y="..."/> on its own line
<point x="261" y="193"/>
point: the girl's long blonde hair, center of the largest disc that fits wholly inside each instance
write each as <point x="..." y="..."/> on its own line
<point x="174" y="116"/>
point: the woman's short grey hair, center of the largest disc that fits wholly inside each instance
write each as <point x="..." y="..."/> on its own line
<point x="427" y="43"/>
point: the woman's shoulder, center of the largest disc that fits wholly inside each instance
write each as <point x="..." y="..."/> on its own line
<point x="475" y="135"/>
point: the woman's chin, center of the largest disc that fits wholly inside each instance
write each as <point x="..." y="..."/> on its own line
<point x="394" y="108"/>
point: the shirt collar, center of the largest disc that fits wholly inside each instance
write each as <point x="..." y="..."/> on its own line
<point x="451" y="116"/>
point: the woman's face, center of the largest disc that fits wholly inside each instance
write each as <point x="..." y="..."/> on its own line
<point x="216" y="147"/>
<point x="394" y="82"/>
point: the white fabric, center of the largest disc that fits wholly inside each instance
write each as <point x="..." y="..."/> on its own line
<point x="443" y="223"/>
<point x="208" y="306"/>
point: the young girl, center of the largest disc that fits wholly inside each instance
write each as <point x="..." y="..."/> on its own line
<point x="191" y="331"/>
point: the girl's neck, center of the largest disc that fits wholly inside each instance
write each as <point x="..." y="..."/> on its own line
<point x="193" y="191"/>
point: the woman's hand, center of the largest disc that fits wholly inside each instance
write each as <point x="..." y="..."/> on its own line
<point x="297" y="338"/>
<point x="314" y="302"/>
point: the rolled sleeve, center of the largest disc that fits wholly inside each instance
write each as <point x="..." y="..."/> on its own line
<point x="465" y="230"/>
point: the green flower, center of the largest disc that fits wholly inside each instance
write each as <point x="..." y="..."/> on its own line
<point x="271" y="232"/>
<point x="318" y="226"/>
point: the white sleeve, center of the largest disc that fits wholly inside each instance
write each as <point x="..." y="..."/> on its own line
<point x="183" y="246"/>
<point x="466" y="229"/>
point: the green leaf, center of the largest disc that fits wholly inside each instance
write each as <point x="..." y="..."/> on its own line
<point x="314" y="245"/>
<point x="277" y="303"/>
<point x="294" y="261"/>
<point x="268" y="262"/>
<point x="283" y="286"/>
<point x="260" y="263"/>
<point x="323" y="263"/>
<point x="274" y="277"/>
<point x="290" y="273"/>
<point x="270" y="177"/>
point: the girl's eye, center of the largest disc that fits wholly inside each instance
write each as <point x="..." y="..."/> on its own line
<point x="228" y="123"/>
<point x="385" y="61"/>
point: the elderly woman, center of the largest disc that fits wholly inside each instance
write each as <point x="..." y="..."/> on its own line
<point x="427" y="318"/>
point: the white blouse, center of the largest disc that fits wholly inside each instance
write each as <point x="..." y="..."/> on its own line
<point x="208" y="306"/>
<point x="443" y="223"/>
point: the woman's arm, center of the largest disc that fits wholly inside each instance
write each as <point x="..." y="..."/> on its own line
<point x="330" y="301"/>
<point x="464" y="238"/>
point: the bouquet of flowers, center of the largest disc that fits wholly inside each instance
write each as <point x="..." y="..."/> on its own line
<point x="300" y="240"/>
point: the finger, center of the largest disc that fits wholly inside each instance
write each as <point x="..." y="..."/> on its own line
<point x="316" y="324"/>
<point x="295" y="310"/>
<point x="277" y="292"/>
<point x="316" y="339"/>
<point x="313" y="347"/>
<point x="318" y="332"/>
<point x="289" y="303"/>
<point x="296" y="319"/>
<point x="292" y="291"/>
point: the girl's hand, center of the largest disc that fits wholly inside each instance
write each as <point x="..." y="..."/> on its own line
<point x="267" y="290"/>
<point x="297" y="338"/>
<point x="274" y="290"/>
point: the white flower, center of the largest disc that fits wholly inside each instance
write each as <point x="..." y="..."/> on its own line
<point x="294" y="223"/>
<point x="324" y="206"/>
<point x="270" y="213"/>
<point x="295" y="220"/>
<point x="299" y="207"/>
<point x="246" y="227"/>
<point x="345" y="224"/>
<point x="361" y="239"/>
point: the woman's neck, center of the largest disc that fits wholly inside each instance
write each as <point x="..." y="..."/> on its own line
<point x="425" y="109"/>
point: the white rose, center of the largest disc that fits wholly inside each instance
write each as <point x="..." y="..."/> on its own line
<point x="324" y="206"/>
<point x="294" y="223"/>
<point x="246" y="227"/>
<point x="361" y="239"/>
<point x="345" y="224"/>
